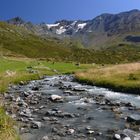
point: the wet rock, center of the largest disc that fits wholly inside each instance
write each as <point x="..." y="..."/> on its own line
<point x="36" y="125"/>
<point x="126" y="138"/>
<point x="99" y="133"/>
<point x="54" y="130"/>
<point x="129" y="105"/>
<point x="56" y="98"/>
<point x="51" y="113"/>
<point x="41" y="107"/>
<point x="70" y="131"/>
<point x="8" y="97"/>
<point x="68" y="115"/>
<point x="117" y="137"/>
<point x="25" y="114"/>
<point x="59" y="113"/>
<point x="79" y="89"/>
<point x="69" y="92"/>
<point x="45" y="138"/>
<point x="46" y="119"/>
<point x="35" y="88"/>
<point x="90" y="132"/>
<point x="24" y="120"/>
<point x="128" y="133"/>
<point x="90" y="118"/>
<point x="134" y="119"/>
<point x="102" y="96"/>
<point x="27" y="111"/>
<point x="33" y="102"/>
<point x="21" y="83"/>
<point x="24" y="130"/>
<point x="88" y="128"/>
<point x="22" y="104"/>
<point x="26" y="94"/>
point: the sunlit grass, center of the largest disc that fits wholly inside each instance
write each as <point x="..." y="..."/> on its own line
<point x="123" y="76"/>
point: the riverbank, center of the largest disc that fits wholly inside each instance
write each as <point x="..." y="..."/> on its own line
<point x="121" y="78"/>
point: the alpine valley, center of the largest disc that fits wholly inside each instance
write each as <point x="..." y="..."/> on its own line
<point x="108" y="38"/>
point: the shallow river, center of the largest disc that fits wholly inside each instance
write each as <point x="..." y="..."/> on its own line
<point x="58" y="108"/>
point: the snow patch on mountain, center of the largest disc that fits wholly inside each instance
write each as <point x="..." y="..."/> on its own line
<point x="82" y="25"/>
<point x="52" y="25"/>
<point x="60" y="30"/>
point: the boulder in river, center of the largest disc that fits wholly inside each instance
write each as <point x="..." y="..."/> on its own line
<point x="134" y="119"/>
<point x="56" y="98"/>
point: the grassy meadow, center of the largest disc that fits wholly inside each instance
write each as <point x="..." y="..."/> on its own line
<point x="122" y="77"/>
<point x="14" y="70"/>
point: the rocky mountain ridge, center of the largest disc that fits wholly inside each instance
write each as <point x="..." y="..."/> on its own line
<point x="101" y="30"/>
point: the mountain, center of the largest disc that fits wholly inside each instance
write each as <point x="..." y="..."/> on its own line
<point x="108" y="38"/>
<point x="103" y="31"/>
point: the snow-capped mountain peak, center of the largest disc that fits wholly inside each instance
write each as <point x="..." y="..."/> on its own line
<point x="52" y="25"/>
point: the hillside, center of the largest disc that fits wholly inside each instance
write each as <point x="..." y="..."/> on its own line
<point x="20" y="38"/>
<point x="103" y="31"/>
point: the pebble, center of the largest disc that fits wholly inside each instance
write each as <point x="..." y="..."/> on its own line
<point x="117" y="137"/>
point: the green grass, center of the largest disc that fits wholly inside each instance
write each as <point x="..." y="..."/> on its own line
<point x="123" y="77"/>
<point x="7" y="132"/>
<point x="67" y="67"/>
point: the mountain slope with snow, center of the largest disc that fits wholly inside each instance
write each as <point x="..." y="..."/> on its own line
<point x="103" y="31"/>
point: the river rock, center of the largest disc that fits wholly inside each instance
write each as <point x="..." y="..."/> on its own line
<point x="90" y="132"/>
<point x="126" y="138"/>
<point x="21" y="83"/>
<point x="88" y="128"/>
<point x="129" y="104"/>
<point x="8" y="96"/>
<point x="46" y="119"/>
<point x="70" y="131"/>
<point x="24" y="130"/>
<point x="78" y="89"/>
<point x="131" y="134"/>
<point x="117" y="137"/>
<point x="26" y="94"/>
<point x="35" y="88"/>
<point x="36" y="125"/>
<point x="134" y="118"/>
<point x="25" y="114"/>
<point x="56" y="98"/>
<point x="45" y="138"/>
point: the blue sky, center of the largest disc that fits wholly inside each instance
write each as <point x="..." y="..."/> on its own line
<point x="52" y="10"/>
